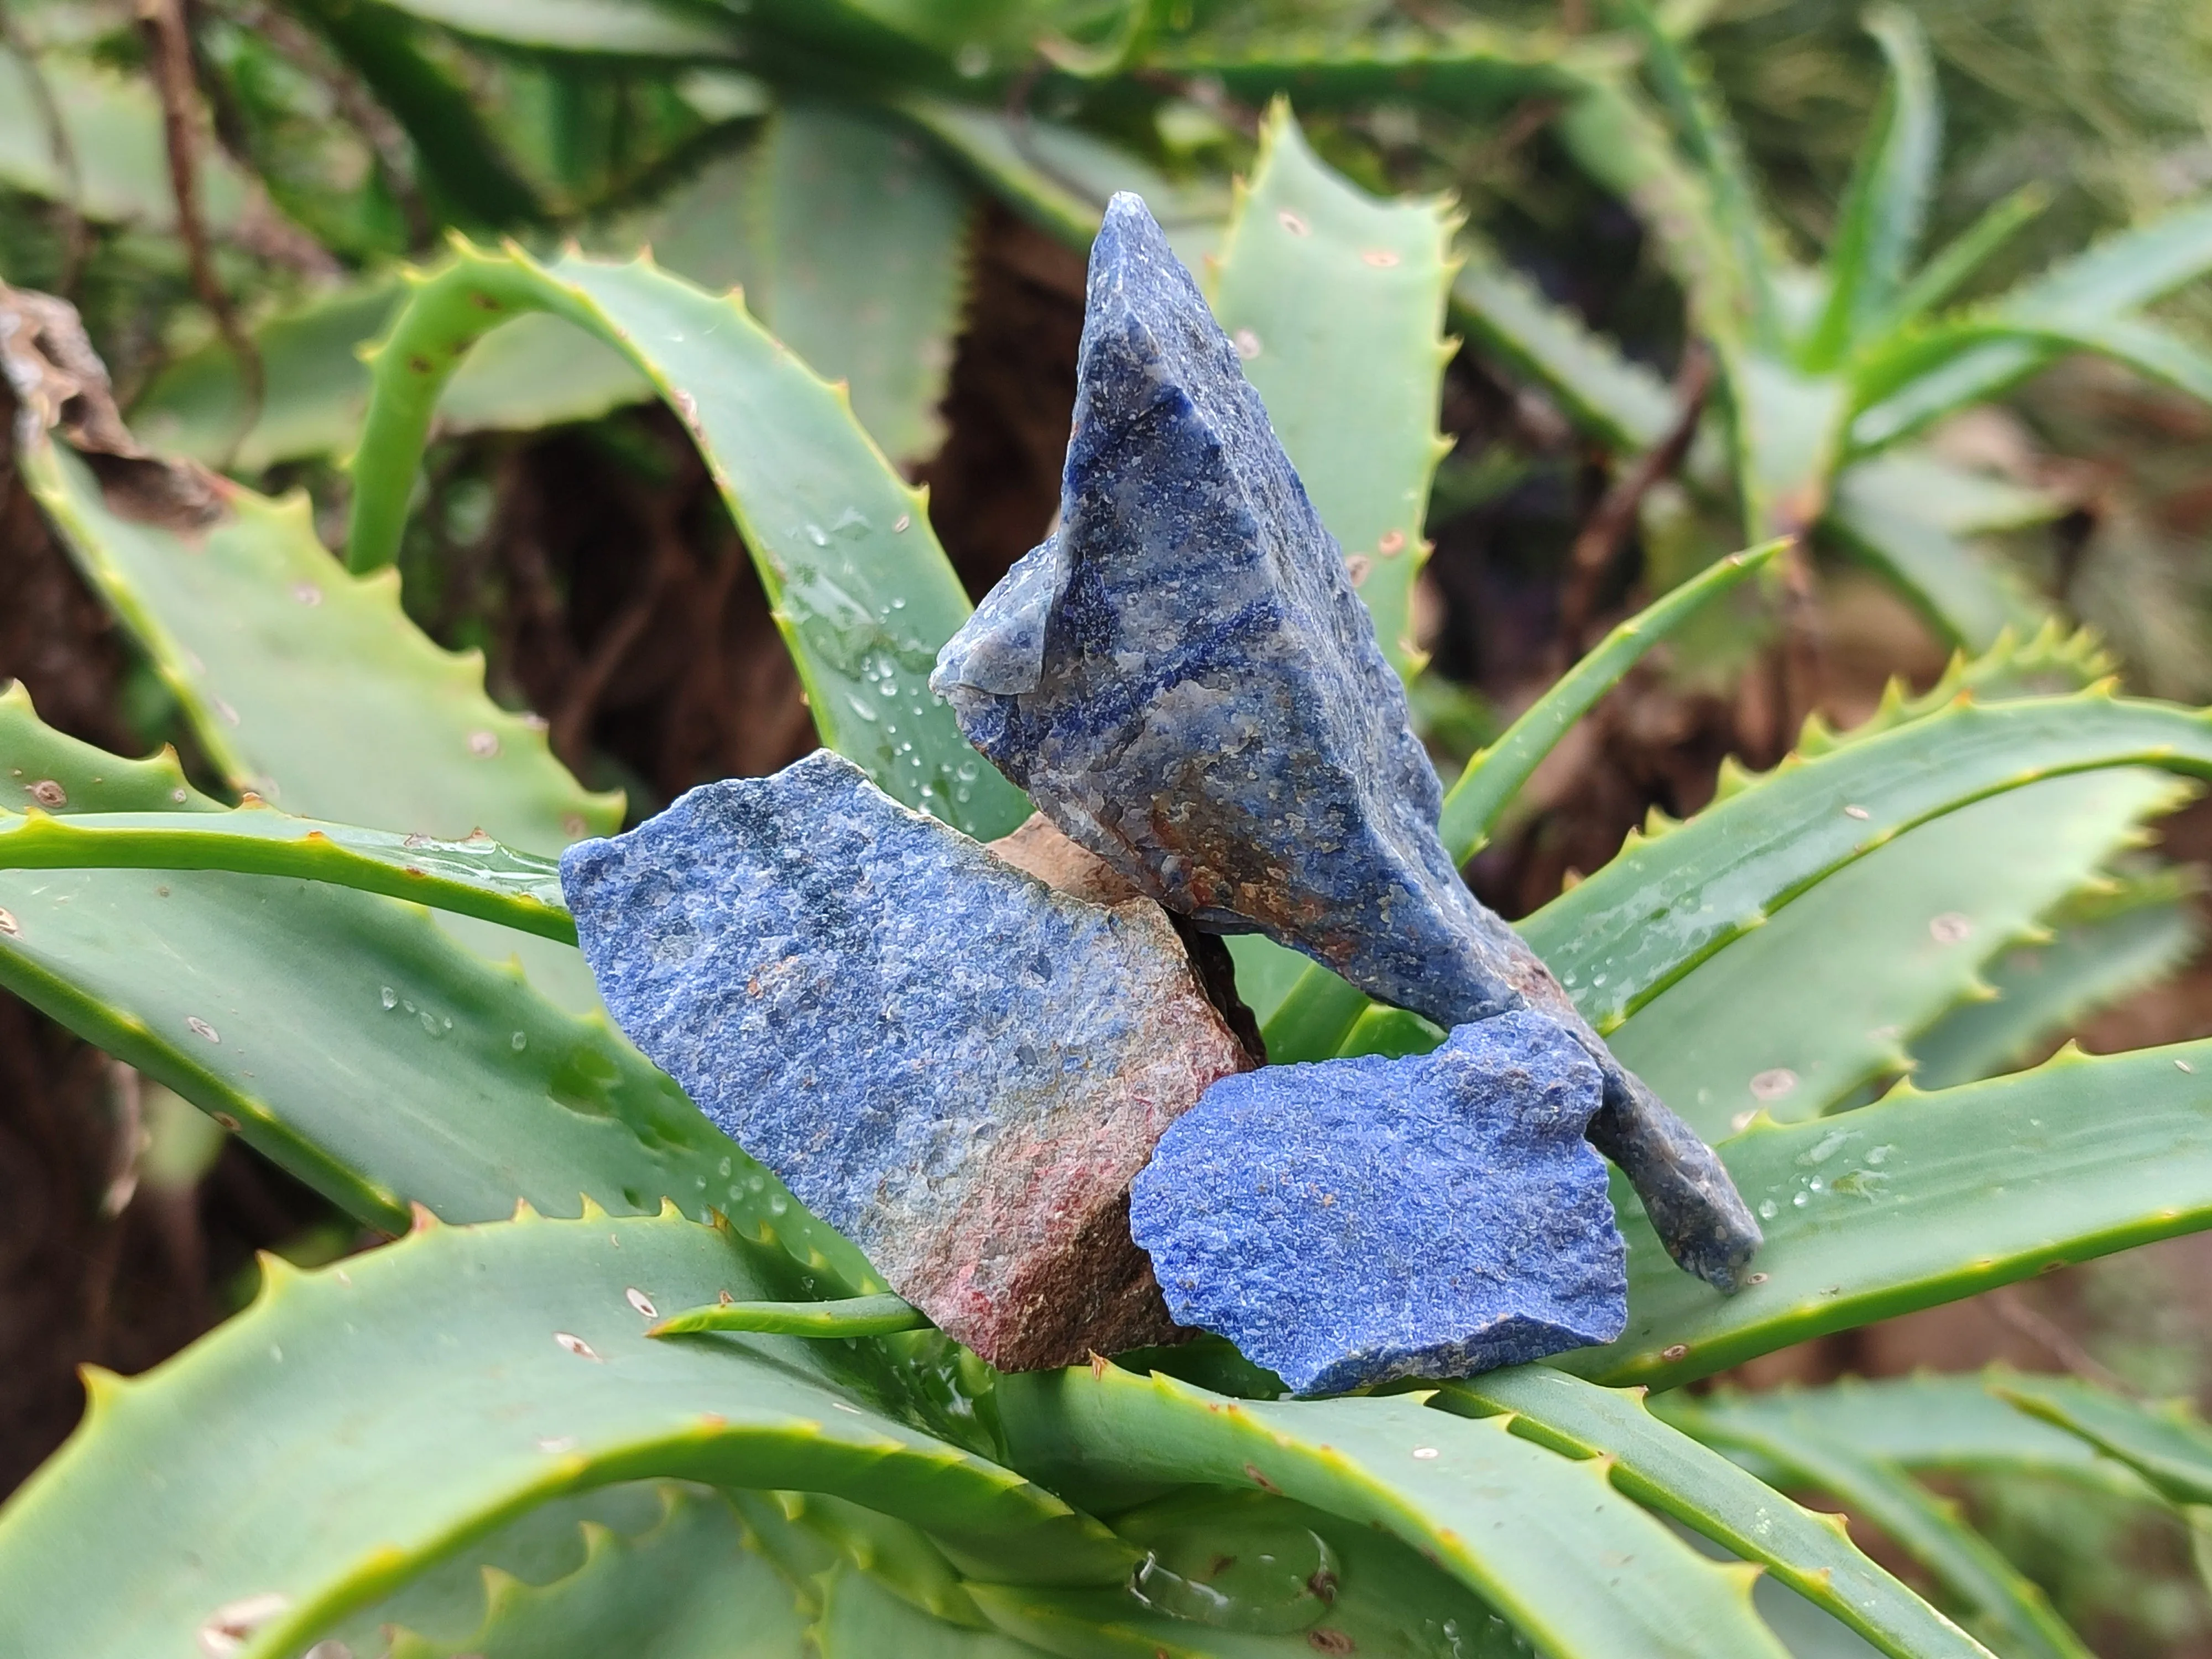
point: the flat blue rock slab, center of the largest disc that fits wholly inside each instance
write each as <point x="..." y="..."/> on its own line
<point x="1184" y="680"/>
<point x="956" y="1065"/>
<point x="1355" y="1221"/>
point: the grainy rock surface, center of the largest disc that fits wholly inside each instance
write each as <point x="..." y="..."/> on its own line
<point x="955" y="1065"/>
<point x="1351" y="1222"/>
<point x="1184" y="679"/>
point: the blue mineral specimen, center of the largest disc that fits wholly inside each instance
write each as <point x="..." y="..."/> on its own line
<point x="940" y="1055"/>
<point x="1184" y="680"/>
<point x="1349" y="1222"/>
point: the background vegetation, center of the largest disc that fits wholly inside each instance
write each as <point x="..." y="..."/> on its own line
<point x="229" y="192"/>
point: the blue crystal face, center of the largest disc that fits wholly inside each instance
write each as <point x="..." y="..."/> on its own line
<point x="1356" y="1221"/>
<point x="1184" y="680"/>
<point x="958" y="1067"/>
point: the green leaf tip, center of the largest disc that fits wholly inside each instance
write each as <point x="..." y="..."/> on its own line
<point x="860" y="1315"/>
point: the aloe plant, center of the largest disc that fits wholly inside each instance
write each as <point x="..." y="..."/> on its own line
<point x="611" y="1387"/>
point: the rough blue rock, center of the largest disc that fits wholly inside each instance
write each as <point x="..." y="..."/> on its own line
<point x="1351" y="1222"/>
<point x="1184" y="680"/>
<point x="957" y="1066"/>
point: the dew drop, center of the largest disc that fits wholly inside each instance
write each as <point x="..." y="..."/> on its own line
<point x="388" y="997"/>
<point x="1768" y="1209"/>
<point x="518" y="1041"/>
<point x="1799" y="1200"/>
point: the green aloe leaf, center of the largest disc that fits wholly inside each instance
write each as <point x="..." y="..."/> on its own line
<point x="1242" y="1575"/>
<point x="1946" y="365"/>
<point x="458" y="152"/>
<point x="1620" y="402"/>
<point x="2103" y="944"/>
<point x="614" y="28"/>
<point x="1334" y="299"/>
<point x="1990" y="1592"/>
<point x="364" y="1422"/>
<point x="861" y="1619"/>
<point x="541" y="373"/>
<point x="308" y="687"/>
<point x="1665" y="904"/>
<point x="858" y="1316"/>
<point x="895" y="1554"/>
<point x="1578" y="1569"/>
<point x="426" y="1075"/>
<point x="863" y="255"/>
<point x="1315" y="1016"/>
<point x="1666" y="1470"/>
<point x="1965" y="253"/>
<point x="1929" y="1424"/>
<point x="475" y="877"/>
<point x="1921" y="1198"/>
<point x="1885" y="208"/>
<point x="1492" y="779"/>
<point x="1060" y="178"/>
<point x="115" y="127"/>
<point x="1890" y="516"/>
<point x="861" y="589"/>
<point x="1466" y="68"/>
<point x="2167" y="1443"/>
<point x="689" y="1589"/>
<point x="1800" y="1013"/>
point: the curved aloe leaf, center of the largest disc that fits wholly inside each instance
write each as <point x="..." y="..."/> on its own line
<point x="861" y="1619"/>
<point x="1664" y="1469"/>
<point x="861" y="272"/>
<point x="858" y="1316"/>
<point x="1666" y="904"/>
<point x="2103" y="945"/>
<point x="1921" y="1198"/>
<point x="1334" y="299"/>
<point x="1927" y="374"/>
<point x="425" y="1393"/>
<point x="1578" y="1569"/>
<point x="1315" y="1019"/>
<point x="1963" y="590"/>
<point x="308" y="687"/>
<point x="1950" y="1424"/>
<point x="1886" y="206"/>
<point x="1799" y="1014"/>
<point x="1969" y="251"/>
<point x="689" y="1589"/>
<point x="2167" y="1443"/>
<point x="894" y="1553"/>
<point x="475" y="878"/>
<point x="1378" y="1597"/>
<point x="429" y="1075"/>
<point x="1989" y="1589"/>
<point x="862" y="591"/>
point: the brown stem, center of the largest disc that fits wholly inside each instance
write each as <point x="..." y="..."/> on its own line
<point x="170" y="46"/>
<point x="1602" y="535"/>
<point x="2014" y="1311"/>
<point x="579" y="700"/>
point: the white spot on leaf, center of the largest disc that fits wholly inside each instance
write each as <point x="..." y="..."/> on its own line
<point x="49" y="795"/>
<point x="1773" y="1083"/>
<point x="1951" y="928"/>
<point x="201" y="1028"/>
<point x="1291" y="222"/>
<point x="1381" y="258"/>
<point x="639" y="1300"/>
<point x="10" y="926"/>
<point x="577" y="1345"/>
<point x="1248" y="343"/>
<point x="229" y="1626"/>
<point x="483" y="745"/>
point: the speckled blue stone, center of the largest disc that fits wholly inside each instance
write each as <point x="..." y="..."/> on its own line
<point x="956" y="1065"/>
<point x="1185" y="681"/>
<point x="1352" y="1222"/>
